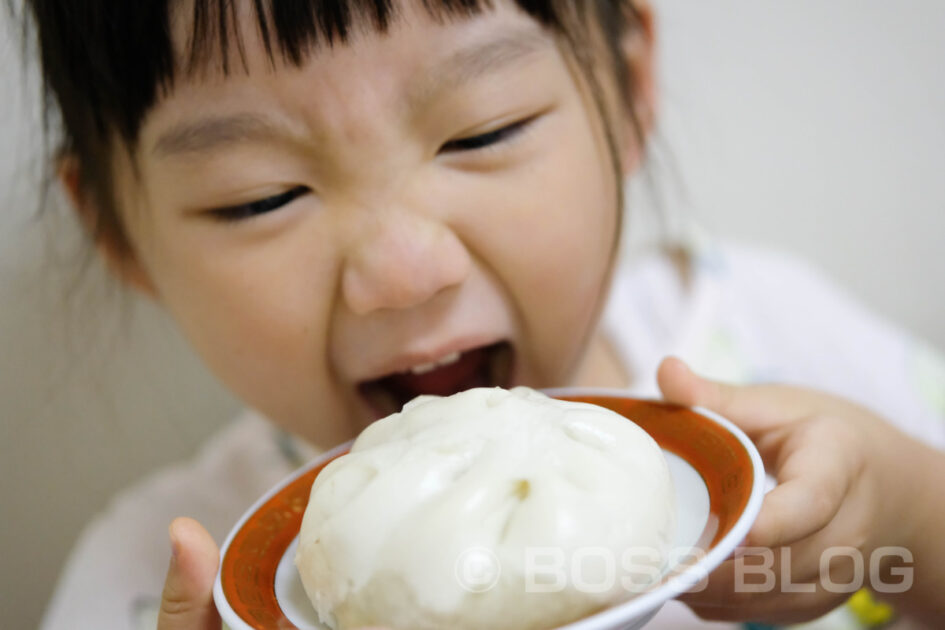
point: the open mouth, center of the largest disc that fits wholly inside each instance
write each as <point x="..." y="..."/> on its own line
<point x="485" y="366"/>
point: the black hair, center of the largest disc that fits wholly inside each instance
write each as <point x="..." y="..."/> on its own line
<point x="106" y="63"/>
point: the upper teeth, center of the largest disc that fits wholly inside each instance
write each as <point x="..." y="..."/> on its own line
<point x="423" y="368"/>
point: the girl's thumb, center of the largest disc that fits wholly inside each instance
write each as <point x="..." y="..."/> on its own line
<point x="187" y="601"/>
<point x="752" y="407"/>
<point x="682" y="386"/>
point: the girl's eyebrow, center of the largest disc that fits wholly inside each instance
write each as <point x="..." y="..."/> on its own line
<point x="207" y="134"/>
<point x="504" y="48"/>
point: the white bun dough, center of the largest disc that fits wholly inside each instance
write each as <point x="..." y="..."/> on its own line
<point x="497" y="472"/>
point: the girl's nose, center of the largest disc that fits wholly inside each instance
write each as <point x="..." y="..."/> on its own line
<point x="402" y="260"/>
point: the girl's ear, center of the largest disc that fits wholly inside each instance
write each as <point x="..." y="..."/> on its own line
<point x="639" y="50"/>
<point x="117" y="254"/>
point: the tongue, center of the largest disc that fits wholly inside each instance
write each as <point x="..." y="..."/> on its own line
<point x="467" y="372"/>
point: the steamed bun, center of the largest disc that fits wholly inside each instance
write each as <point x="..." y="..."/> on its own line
<point x="460" y="488"/>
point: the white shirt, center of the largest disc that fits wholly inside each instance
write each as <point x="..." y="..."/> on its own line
<point x="745" y="316"/>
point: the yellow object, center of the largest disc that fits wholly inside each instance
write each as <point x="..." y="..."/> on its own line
<point x="868" y="611"/>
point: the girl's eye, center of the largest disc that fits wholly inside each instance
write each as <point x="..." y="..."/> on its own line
<point x="483" y="140"/>
<point x="261" y="206"/>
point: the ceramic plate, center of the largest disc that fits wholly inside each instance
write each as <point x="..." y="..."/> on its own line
<point x="718" y="479"/>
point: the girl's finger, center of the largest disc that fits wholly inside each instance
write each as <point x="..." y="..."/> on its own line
<point x="754" y="408"/>
<point x="776" y="608"/>
<point x="187" y="600"/>
<point x="770" y="585"/>
<point x="814" y="475"/>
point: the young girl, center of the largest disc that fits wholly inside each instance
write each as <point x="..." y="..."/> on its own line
<point x="346" y="204"/>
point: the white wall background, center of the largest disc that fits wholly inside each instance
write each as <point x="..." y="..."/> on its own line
<point x="817" y="126"/>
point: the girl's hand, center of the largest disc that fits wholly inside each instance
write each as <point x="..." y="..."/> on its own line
<point x="845" y="478"/>
<point x="187" y="600"/>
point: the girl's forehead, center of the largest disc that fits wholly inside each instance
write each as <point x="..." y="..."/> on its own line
<point x="137" y="54"/>
<point x="210" y="38"/>
<point x="415" y="58"/>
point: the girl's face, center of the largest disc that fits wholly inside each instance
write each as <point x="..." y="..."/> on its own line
<point x="416" y="212"/>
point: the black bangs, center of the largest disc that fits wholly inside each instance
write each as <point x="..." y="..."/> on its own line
<point x="106" y="62"/>
<point x="296" y="25"/>
<point x="299" y="25"/>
